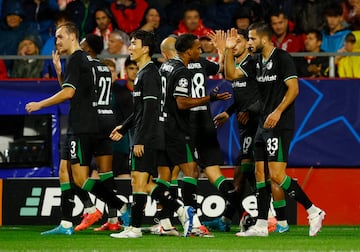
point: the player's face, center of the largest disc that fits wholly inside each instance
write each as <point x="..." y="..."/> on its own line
<point x="136" y="49"/>
<point x="254" y="42"/>
<point x="63" y="40"/>
<point x="102" y="20"/>
<point x="131" y="71"/>
<point x="195" y="51"/>
<point x="241" y="46"/>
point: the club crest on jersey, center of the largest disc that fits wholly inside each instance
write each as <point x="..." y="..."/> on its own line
<point x="269" y="65"/>
<point x="183" y="82"/>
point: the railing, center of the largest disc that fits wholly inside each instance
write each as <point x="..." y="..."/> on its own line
<point x="331" y="56"/>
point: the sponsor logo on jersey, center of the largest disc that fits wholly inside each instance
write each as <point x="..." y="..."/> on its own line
<point x="266" y="78"/>
<point x="137" y="94"/>
<point x="239" y="84"/>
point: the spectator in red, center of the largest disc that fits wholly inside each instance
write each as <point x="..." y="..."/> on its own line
<point x="3" y="70"/>
<point x="105" y="24"/>
<point x="192" y="23"/>
<point x="128" y="13"/>
<point x="282" y="37"/>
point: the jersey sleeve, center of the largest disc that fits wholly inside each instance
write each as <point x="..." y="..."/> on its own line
<point x="288" y="72"/>
<point x="248" y="67"/>
<point x="182" y="82"/>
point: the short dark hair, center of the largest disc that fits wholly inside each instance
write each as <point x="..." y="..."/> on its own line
<point x="350" y="37"/>
<point x="317" y="33"/>
<point x="185" y="42"/>
<point x="147" y="39"/>
<point x="71" y="28"/>
<point x="262" y="28"/>
<point x="95" y="42"/>
<point x="333" y="10"/>
<point x="244" y="33"/>
<point x="277" y="13"/>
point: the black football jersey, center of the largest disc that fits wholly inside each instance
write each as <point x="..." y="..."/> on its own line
<point x="271" y="76"/>
<point x="176" y="80"/>
<point x="79" y="76"/>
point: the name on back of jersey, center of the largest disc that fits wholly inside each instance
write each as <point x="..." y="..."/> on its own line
<point x="167" y="68"/>
<point x="194" y="66"/>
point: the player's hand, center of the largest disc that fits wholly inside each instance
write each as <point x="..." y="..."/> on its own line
<point x="220" y="119"/>
<point x="115" y="135"/>
<point x="243" y="117"/>
<point x="32" y="107"/>
<point x="138" y="150"/>
<point x="56" y="61"/>
<point x="219" y="39"/>
<point x="272" y="120"/>
<point x="215" y="95"/>
<point x="231" y="38"/>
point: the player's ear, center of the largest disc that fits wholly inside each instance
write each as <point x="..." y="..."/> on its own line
<point x="146" y="49"/>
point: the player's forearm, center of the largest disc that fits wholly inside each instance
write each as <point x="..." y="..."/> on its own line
<point x="229" y="66"/>
<point x="289" y="97"/>
<point x="57" y="98"/>
<point x="184" y="103"/>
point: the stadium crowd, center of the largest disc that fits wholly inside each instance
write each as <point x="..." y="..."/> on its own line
<point x="31" y="23"/>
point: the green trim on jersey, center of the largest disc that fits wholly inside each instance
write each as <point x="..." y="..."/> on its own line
<point x="79" y="152"/>
<point x="189" y="155"/>
<point x="163" y="182"/>
<point x="291" y="77"/>
<point x="190" y="180"/>
<point x="106" y="175"/>
<point x="68" y="85"/>
<point x="140" y="193"/>
<point x="280" y="152"/>
<point x="279" y="203"/>
<point x="65" y="186"/>
<point x="286" y="183"/>
<point x="247" y="167"/>
<point x="260" y="185"/>
<point x="174" y="182"/>
<point x="132" y="162"/>
<point x="150" y="97"/>
<point x="88" y="185"/>
<point x="218" y="181"/>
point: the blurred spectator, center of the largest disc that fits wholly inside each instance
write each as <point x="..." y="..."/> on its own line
<point x="258" y="9"/>
<point x="118" y="44"/>
<point x="312" y="66"/>
<point x="207" y="46"/>
<point x="128" y="13"/>
<point x="348" y="66"/>
<point x="12" y="30"/>
<point x="219" y="15"/>
<point x="28" y="68"/>
<point x="105" y="24"/>
<point x="3" y="70"/>
<point x="49" y="69"/>
<point x="334" y="32"/>
<point x="41" y="14"/>
<point x="192" y="23"/>
<point x="242" y="19"/>
<point x="82" y="13"/>
<point x="354" y="14"/>
<point x="282" y="37"/>
<point x="308" y="14"/>
<point x="153" y="21"/>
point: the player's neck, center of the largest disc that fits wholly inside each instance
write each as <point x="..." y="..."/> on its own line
<point x="267" y="50"/>
<point x="74" y="48"/>
<point x="145" y="59"/>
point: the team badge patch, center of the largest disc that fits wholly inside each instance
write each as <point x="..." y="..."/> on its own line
<point x="269" y="65"/>
<point x="183" y="82"/>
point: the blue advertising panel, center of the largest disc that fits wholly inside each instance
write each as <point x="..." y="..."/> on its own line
<point x="327" y="130"/>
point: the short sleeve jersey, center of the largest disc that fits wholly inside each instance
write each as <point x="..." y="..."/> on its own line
<point x="78" y="75"/>
<point x="176" y="80"/>
<point x="148" y="130"/>
<point x="245" y="88"/>
<point x="201" y="115"/>
<point x="103" y="82"/>
<point x="271" y="76"/>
